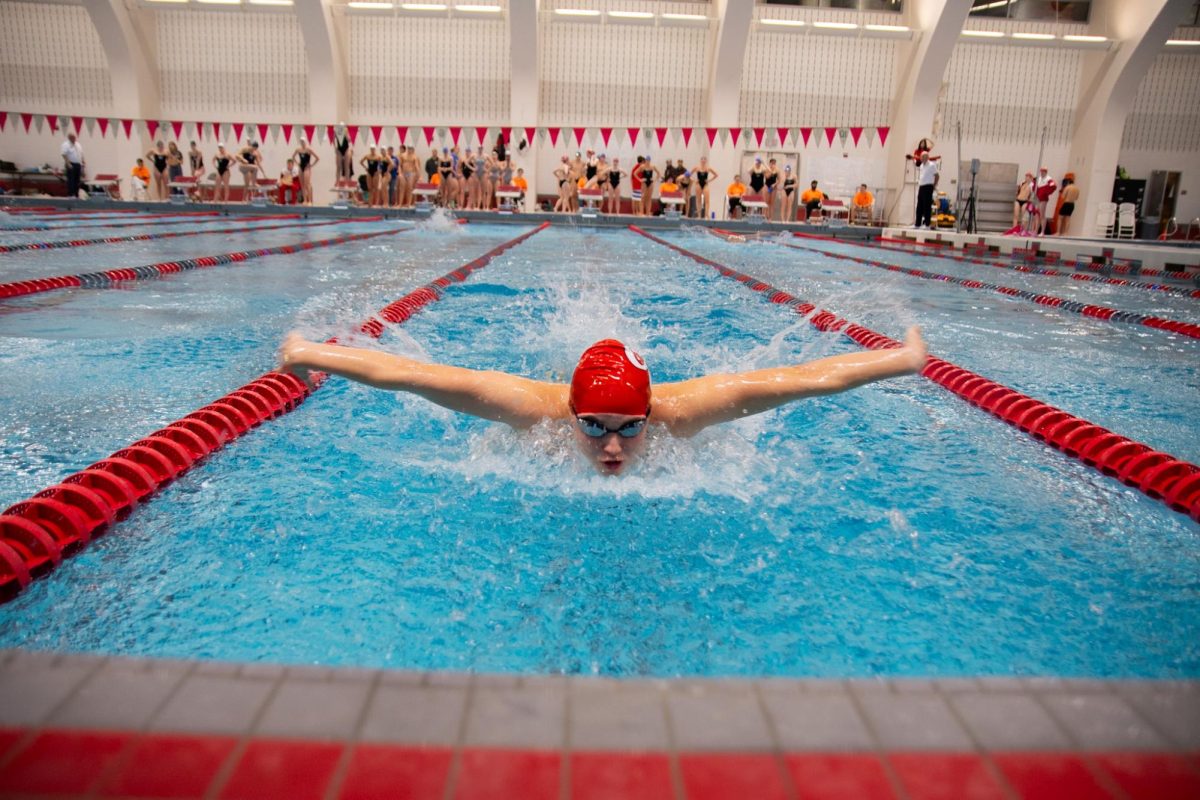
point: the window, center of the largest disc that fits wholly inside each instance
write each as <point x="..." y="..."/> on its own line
<point x="1033" y="10"/>
<point x="857" y="5"/>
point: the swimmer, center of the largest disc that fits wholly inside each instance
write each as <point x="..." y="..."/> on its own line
<point x="609" y="399"/>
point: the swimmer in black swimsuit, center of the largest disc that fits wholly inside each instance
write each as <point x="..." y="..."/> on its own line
<point x="222" y="161"/>
<point x="375" y="175"/>
<point x="563" y="173"/>
<point x="159" y="158"/>
<point x="789" y="199"/>
<point x="758" y="177"/>
<point x="772" y="177"/>
<point x="471" y="176"/>
<point x="306" y="159"/>
<point x="250" y="165"/>
<point x="345" y="154"/>
<point x="612" y="192"/>
<point x="447" y="190"/>
<point x="648" y="174"/>
<point x="704" y="175"/>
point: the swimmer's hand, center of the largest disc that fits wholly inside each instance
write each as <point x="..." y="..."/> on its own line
<point x="914" y="349"/>
<point x="291" y="354"/>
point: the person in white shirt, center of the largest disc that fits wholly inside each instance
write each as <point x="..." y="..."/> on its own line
<point x="1043" y="188"/>
<point x="73" y="164"/>
<point x="927" y="177"/>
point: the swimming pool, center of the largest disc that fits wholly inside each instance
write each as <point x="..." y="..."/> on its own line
<point x="891" y="531"/>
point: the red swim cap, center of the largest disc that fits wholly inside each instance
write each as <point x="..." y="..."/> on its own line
<point x="610" y="379"/>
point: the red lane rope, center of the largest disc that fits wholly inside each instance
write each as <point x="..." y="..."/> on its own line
<point x="105" y="279"/>
<point x="1105" y="313"/>
<point x="1033" y="270"/>
<point x="145" y="237"/>
<point x="1157" y="474"/>
<point x="56" y="522"/>
<point x="211" y="218"/>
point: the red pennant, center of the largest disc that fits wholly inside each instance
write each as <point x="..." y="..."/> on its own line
<point x="758" y="134"/>
<point x="127" y="124"/>
<point x="53" y="120"/>
<point x="782" y="133"/>
<point x="287" y="133"/>
<point x="734" y="135"/>
<point x="263" y="130"/>
<point x="806" y="134"/>
<point x="633" y="135"/>
<point x="529" y="134"/>
<point x="661" y="133"/>
<point x="26" y="119"/>
<point x="712" y="135"/>
<point x="507" y="134"/>
<point x="3" y="119"/>
<point x="238" y="127"/>
<point x="854" y="134"/>
<point x="78" y="123"/>
<point x="102" y="122"/>
<point x="883" y="134"/>
<point x="687" y="135"/>
<point x="152" y="128"/>
<point x="429" y="134"/>
<point x="455" y="132"/>
<point x="216" y="130"/>
<point x="604" y="134"/>
<point x="309" y="132"/>
<point x="481" y="134"/>
<point x="553" y="136"/>
<point x="376" y="133"/>
<point x="579" y="134"/>
<point x="352" y="132"/>
<point x="830" y="133"/>
<point x="402" y="132"/>
<point x="177" y="127"/>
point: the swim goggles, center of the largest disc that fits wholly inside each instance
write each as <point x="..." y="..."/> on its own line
<point x="593" y="429"/>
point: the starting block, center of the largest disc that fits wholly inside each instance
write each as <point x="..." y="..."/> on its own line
<point x="425" y="192"/>
<point x="507" y="196"/>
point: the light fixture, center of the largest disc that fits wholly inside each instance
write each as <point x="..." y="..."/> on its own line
<point x="221" y="2"/>
<point x="167" y="1"/>
<point x="631" y="14"/>
<point x="371" y="6"/>
<point x="889" y="28"/>
<point x="576" y="12"/>
<point x="270" y="2"/>
<point x="477" y="9"/>
<point x="1077" y="37"/>
<point x="783" y="23"/>
<point x="423" y="6"/>
<point x="985" y="34"/>
<point x="1034" y="37"/>
<point x="1183" y="42"/>
<point x="684" y="17"/>
<point x="836" y="26"/>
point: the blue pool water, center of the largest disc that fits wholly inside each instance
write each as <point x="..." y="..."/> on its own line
<point x="890" y="531"/>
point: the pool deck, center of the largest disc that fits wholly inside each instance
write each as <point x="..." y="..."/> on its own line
<point x="89" y="726"/>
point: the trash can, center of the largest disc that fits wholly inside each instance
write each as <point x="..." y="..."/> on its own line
<point x="1151" y="228"/>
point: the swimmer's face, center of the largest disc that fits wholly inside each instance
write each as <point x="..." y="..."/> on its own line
<point x="610" y="452"/>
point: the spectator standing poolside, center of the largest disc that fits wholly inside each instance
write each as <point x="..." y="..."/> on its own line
<point x="73" y="164"/>
<point x="927" y="178"/>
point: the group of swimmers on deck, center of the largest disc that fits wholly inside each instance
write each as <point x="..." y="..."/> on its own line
<point x="164" y="165"/>
<point x="690" y="187"/>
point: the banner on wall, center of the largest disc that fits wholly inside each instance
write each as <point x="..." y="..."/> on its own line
<point x="734" y="135"/>
<point x="758" y="134"/>
<point x="806" y="134"/>
<point x="605" y="134"/>
<point x="633" y="135"/>
<point x="580" y="133"/>
<point x="856" y="134"/>
<point x="883" y="134"/>
<point x="687" y="136"/>
<point x="553" y="134"/>
<point x="829" y="134"/>
<point x="712" y="135"/>
<point x="661" y="133"/>
<point x="782" y="133"/>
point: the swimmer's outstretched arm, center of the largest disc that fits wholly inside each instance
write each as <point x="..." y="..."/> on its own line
<point x="688" y="406"/>
<point x="519" y="402"/>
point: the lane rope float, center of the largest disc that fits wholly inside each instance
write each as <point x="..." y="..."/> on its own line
<point x="107" y="278"/>
<point x="36" y="534"/>
<point x="1155" y="473"/>
<point x="146" y="237"/>
<point x="210" y="217"/>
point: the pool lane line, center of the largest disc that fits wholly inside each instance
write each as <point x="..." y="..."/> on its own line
<point x="1155" y="473"/>
<point x="1029" y="269"/>
<point x="146" y="237"/>
<point x="208" y="219"/>
<point x="1104" y="313"/>
<point x="107" y="278"/>
<point x="37" y="533"/>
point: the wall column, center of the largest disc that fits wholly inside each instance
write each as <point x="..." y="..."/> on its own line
<point x="525" y="98"/>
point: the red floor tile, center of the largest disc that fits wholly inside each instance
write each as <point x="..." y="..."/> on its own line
<point x="839" y="777"/>
<point x="169" y="766"/>
<point x="288" y="770"/>
<point x="720" y="776"/>
<point x="508" y="774"/>
<point x="620" y="776"/>
<point x="62" y="762"/>
<point x="1159" y="776"/>
<point x="945" y="776"/>
<point x="9" y="737"/>
<point x="1050" y="776"/>
<point x="397" y="773"/>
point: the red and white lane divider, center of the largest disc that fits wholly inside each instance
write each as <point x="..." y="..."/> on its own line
<point x="36" y="534"/>
<point x="209" y="217"/>
<point x="1105" y="313"/>
<point x="105" y="279"/>
<point x="1158" y="474"/>
<point x="146" y="237"/>
<point x="1029" y="269"/>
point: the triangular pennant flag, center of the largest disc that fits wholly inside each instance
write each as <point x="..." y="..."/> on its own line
<point x="870" y="133"/>
<point x="712" y="135"/>
<point x="579" y="134"/>
<point x="553" y="136"/>
<point x="507" y="134"/>
<point x="376" y="134"/>
<point x="758" y="134"/>
<point x="633" y="135"/>
<point x="661" y="133"/>
<point x="152" y="128"/>
<point x="263" y="130"/>
<point x="216" y="130"/>
<point x="90" y="122"/>
<point x="529" y="134"/>
<point x="855" y="133"/>
<point x="77" y="122"/>
<point x="127" y="124"/>
<point x="481" y="133"/>
<point x="402" y="134"/>
<point x="842" y="134"/>
<point x="3" y="119"/>
<point x="883" y="134"/>
<point x="26" y="119"/>
<point x="352" y="133"/>
<point x="287" y="133"/>
<point x="429" y="130"/>
<point x="455" y="132"/>
<point x="38" y="121"/>
<point x="829" y="134"/>
<point x="782" y="133"/>
<point x="238" y="127"/>
<point x="177" y="127"/>
<point x="103" y="123"/>
<point x="687" y="135"/>
<point x="806" y="134"/>
<point x="605" y="133"/>
<point x="734" y="134"/>
<point x="309" y="132"/>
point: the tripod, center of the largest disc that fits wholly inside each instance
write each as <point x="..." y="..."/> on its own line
<point x="966" y="220"/>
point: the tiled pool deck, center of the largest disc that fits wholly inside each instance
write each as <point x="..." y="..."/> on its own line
<point x="88" y="726"/>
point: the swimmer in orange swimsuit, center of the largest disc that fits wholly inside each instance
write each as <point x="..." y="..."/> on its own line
<point x="609" y="397"/>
